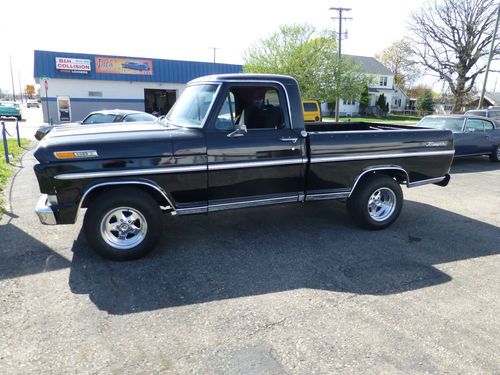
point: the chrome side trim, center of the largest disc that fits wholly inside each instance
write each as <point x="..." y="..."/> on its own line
<point x="327" y="196"/>
<point x="44" y="212"/>
<point x="386" y="127"/>
<point x="383" y="168"/>
<point x="133" y="172"/>
<point x="325" y="159"/>
<point x="424" y="182"/>
<point x="252" y="203"/>
<point x="253" y="164"/>
<point x="115" y="183"/>
<point x="190" y="210"/>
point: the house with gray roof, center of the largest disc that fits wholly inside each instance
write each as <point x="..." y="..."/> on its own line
<point x="382" y="83"/>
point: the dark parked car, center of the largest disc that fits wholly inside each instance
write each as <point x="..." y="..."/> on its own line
<point x="135" y="65"/>
<point x="101" y="117"/>
<point x="473" y="135"/>
<point x="230" y="141"/>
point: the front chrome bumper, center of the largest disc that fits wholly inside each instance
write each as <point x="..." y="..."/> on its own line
<point x="44" y="211"/>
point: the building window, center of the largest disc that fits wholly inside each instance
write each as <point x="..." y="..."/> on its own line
<point x="349" y="102"/>
<point x="383" y="81"/>
<point x="95" y="94"/>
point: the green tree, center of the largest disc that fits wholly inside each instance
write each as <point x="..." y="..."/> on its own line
<point x="364" y="100"/>
<point x="310" y="56"/>
<point x="382" y="104"/>
<point x="425" y="103"/>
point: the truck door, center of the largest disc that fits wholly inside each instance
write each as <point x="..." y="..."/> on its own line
<point x="254" y="155"/>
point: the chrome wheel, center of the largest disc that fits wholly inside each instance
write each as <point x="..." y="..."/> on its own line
<point x="382" y="204"/>
<point x="123" y="228"/>
<point x="498" y="152"/>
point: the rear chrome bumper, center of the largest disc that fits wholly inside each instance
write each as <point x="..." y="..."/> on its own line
<point x="44" y="211"/>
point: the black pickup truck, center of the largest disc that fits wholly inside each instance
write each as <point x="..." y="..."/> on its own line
<point x="230" y="141"/>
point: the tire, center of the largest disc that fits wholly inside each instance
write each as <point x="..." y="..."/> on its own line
<point x="376" y="203"/>
<point x="135" y="238"/>
<point x="495" y="156"/>
<point x="19" y="118"/>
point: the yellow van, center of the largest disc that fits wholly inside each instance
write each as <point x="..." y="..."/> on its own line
<point x="312" y="110"/>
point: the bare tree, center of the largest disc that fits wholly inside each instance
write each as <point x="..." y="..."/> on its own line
<point x="398" y="57"/>
<point x="450" y="38"/>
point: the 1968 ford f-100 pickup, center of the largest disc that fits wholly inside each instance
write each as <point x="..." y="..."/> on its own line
<point x="230" y="141"/>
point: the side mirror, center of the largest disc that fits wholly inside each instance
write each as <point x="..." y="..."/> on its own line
<point x="239" y="131"/>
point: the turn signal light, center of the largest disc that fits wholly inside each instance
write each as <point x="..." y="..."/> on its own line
<point x="75" y="154"/>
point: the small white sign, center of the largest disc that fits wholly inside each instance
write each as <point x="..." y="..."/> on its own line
<point x="70" y="65"/>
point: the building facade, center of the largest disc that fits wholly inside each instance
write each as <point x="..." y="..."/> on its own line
<point x="74" y="84"/>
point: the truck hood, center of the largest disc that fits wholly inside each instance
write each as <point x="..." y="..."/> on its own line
<point x="119" y="140"/>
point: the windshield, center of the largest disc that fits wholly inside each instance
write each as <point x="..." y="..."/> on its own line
<point x="454" y="124"/>
<point x="192" y="107"/>
<point x="99" y="118"/>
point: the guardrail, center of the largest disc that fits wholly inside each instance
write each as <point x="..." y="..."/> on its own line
<point x="4" y="137"/>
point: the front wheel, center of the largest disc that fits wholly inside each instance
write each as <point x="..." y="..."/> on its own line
<point x="495" y="156"/>
<point x="123" y="224"/>
<point x="376" y="203"/>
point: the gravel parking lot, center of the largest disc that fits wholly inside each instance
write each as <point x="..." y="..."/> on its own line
<point x="278" y="290"/>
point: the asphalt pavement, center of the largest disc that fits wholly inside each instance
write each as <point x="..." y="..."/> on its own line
<point x="292" y="289"/>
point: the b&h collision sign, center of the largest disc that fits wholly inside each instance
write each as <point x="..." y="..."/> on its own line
<point x="69" y="65"/>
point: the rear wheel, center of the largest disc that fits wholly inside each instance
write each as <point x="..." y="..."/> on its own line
<point x="376" y="203"/>
<point x="123" y="224"/>
<point x="495" y="156"/>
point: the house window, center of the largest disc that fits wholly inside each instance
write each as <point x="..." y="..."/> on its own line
<point x="349" y="102"/>
<point x="383" y="81"/>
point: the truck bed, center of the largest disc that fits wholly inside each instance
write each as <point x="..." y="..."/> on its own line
<point x="336" y="150"/>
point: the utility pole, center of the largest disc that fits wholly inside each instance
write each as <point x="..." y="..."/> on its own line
<point x="12" y="79"/>
<point x="20" y="87"/>
<point x="337" y="78"/>
<point x="493" y="40"/>
<point x="215" y="51"/>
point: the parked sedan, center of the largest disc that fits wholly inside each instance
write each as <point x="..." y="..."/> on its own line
<point x="32" y="103"/>
<point x="10" y="109"/>
<point x="102" y="117"/>
<point x="473" y="135"/>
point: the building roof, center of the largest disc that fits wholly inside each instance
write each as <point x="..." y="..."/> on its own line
<point x="493" y="97"/>
<point x="370" y="65"/>
<point x="153" y="70"/>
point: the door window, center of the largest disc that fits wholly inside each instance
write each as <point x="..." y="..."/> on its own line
<point x="256" y="107"/>
<point x="488" y="126"/>
<point x="474" y="125"/>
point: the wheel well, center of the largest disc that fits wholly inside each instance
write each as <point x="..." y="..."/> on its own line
<point x="94" y="193"/>
<point x="400" y="175"/>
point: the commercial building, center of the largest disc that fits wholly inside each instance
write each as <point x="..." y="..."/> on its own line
<point x="74" y="84"/>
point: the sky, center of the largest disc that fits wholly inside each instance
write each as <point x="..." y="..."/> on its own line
<point x="185" y="29"/>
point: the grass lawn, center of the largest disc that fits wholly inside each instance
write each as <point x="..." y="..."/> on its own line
<point x="390" y="119"/>
<point x="6" y="169"/>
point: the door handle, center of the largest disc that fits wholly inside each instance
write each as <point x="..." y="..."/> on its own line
<point x="289" y="139"/>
